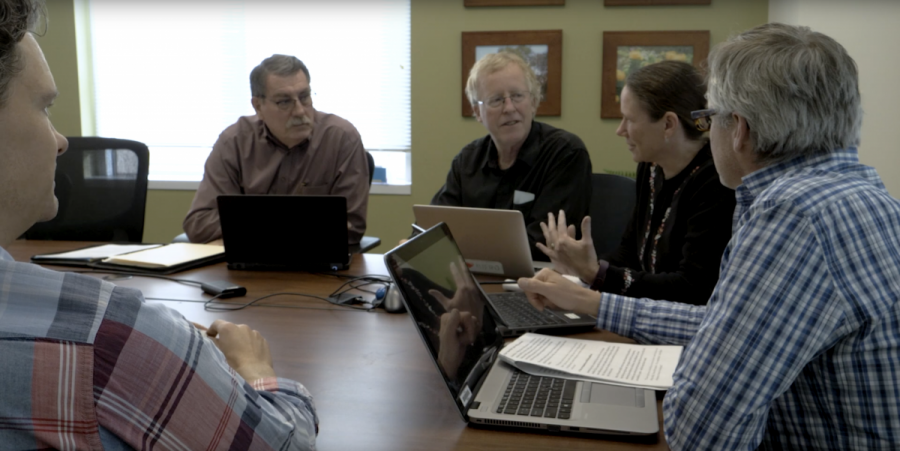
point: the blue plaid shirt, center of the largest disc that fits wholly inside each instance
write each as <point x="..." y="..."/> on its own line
<point x="799" y="346"/>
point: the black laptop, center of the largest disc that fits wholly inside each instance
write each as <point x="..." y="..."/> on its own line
<point x="426" y="260"/>
<point x="276" y="232"/>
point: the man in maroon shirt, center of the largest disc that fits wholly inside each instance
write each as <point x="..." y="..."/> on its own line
<point x="288" y="147"/>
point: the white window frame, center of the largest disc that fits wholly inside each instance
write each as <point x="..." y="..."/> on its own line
<point x="88" y="86"/>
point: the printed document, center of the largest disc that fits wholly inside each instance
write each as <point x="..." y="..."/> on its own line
<point x="630" y="365"/>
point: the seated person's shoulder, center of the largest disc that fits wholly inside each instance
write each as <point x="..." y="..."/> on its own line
<point x="236" y="133"/>
<point x="332" y="123"/>
<point x="559" y="140"/>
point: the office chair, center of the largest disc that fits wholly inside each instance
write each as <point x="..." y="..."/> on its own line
<point x="371" y="160"/>
<point x="101" y="184"/>
<point x="366" y="243"/>
<point x="612" y="204"/>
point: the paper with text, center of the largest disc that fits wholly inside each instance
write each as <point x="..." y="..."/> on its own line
<point x="615" y="363"/>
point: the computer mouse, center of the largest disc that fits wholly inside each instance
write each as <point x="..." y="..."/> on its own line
<point x="392" y="301"/>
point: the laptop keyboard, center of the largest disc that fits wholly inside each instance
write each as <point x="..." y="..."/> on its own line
<point x="517" y="312"/>
<point x="538" y="396"/>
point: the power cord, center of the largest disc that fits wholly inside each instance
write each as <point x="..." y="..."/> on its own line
<point x="223" y="289"/>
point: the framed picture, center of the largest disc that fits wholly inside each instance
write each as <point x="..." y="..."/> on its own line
<point x="542" y="49"/>
<point x="653" y="2"/>
<point x="513" y="2"/>
<point x="626" y="51"/>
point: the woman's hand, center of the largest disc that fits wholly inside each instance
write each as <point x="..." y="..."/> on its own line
<point x="568" y="255"/>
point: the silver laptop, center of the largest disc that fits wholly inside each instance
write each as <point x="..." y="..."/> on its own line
<point x="492" y="241"/>
<point x="453" y="317"/>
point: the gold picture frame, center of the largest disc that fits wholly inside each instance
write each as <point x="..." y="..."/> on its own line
<point x="625" y="51"/>
<point x="540" y="48"/>
<point x="514" y="2"/>
<point x="654" y="2"/>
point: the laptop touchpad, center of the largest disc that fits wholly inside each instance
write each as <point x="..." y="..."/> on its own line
<point x="595" y="393"/>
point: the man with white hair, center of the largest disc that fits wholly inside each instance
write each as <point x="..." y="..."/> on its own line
<point x="799" y="345"/>
<point x="521" y="164"/>
<point x="85" y="364"/>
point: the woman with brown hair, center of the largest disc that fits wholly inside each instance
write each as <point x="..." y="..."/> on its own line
<point x="682" y="219"/>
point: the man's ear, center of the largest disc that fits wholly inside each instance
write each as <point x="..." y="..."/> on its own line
<point x="256" y="102"/>
<point x="477" y="110"/>
<point x="741" y="134"/>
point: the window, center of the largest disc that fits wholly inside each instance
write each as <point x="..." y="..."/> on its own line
<point x="173" y="75"/>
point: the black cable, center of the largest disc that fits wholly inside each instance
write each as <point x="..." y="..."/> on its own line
<point x="366" y="281"/>
<point x="131" y="274"/>
<point x="220" y="306"/>
<point x="211" y="304"/>
<point x="380" y="277"/>
<point x="299" y="307"/>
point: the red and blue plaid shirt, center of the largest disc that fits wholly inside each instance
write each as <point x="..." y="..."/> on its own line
<point x="85" y="364"/>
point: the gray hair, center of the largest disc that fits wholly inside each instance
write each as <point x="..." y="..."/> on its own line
<point x="798" y="90"/>
<point x="17" y="17"/>
<point x="495" y="62"/>
<point x="280" y="65"/>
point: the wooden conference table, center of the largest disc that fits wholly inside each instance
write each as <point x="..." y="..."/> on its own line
<point x="374" y="385"/>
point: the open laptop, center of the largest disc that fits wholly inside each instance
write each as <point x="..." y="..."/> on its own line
<point x="293" y="232"/>
<point x="427" y="260"/>
<point x="454" y="319"/>
<point x="492" y="241"/>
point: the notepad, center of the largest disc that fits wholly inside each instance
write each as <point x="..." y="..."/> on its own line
<point x="81" y="257"/>
<point x="168" y="256"/>
<point x="146" y="258"/>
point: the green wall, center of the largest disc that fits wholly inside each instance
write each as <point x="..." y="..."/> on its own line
<point x="438" y="129"/>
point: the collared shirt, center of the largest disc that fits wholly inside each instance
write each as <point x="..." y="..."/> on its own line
<point x="248" y="159"/>
<point x="85" y="364"/>
<point x="799" y="346"/>
<point x="552" y="172"/>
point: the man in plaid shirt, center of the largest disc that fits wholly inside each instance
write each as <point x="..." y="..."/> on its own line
<point x="85" y="364"/>
<point x="799" y="345"/>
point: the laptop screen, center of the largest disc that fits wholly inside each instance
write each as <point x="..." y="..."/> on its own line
<point x="448" y="307"/>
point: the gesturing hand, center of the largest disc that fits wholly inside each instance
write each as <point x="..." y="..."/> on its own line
<point x="244" y="349"/>
<point x="568" y="255"/>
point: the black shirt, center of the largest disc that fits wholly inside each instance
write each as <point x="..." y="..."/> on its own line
<point x="553" y="165"/>
<point x="690" y="247"/>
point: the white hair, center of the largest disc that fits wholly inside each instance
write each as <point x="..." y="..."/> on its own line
<point x="495" y="62"/>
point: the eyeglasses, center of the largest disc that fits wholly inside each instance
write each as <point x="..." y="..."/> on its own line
<point x="703" y="118"/>
<point x="498" y="101"/>
<point x="286" y="103"/>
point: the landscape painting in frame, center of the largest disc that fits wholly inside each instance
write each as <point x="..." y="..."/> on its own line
<point x="626" y="52"/>
<point x="540" y="49"/>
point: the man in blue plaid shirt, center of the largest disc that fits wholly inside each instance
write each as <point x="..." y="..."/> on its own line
<point x="799" y="345"/>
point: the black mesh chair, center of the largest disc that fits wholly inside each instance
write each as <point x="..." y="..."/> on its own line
<point x="612" y="204"/>
<point x="101" y="184"/>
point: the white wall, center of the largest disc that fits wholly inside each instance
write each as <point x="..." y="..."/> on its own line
<point x="868" y="30"/>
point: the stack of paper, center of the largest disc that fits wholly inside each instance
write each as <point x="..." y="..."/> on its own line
<point x="613" y="363"/>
